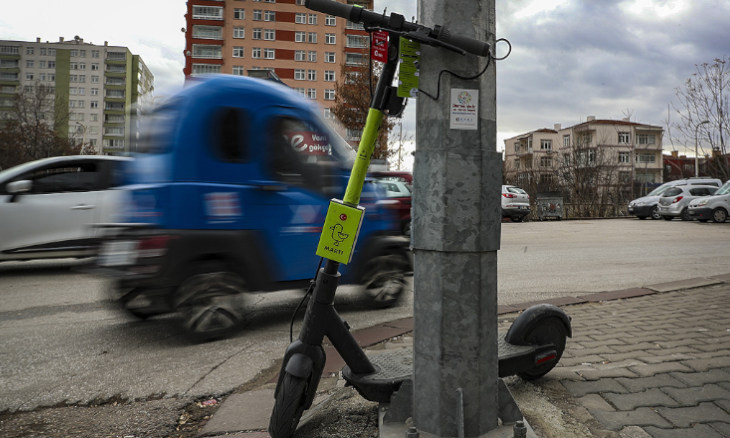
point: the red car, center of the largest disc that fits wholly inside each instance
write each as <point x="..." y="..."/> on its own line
<point x="399" y="194"/>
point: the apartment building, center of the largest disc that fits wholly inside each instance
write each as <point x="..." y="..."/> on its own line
<point x="627" y="154"/>
<point x="100" y="85"/>
<point x="307" y="50"/>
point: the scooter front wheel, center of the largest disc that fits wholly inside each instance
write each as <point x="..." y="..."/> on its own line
<point x="288" y="406"/>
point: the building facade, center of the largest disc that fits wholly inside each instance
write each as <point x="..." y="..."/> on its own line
<point x="307" y="50"/>
<point x="628" y="155"/>
<point x="96" y="88"/>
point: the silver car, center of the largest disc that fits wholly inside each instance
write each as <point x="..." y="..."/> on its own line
<point x="675" y="200"/>
<point x="46" y="206"/>
<point x="515" y="203"/>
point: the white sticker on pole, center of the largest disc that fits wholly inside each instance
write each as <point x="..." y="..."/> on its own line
<point x="463" y="107"/>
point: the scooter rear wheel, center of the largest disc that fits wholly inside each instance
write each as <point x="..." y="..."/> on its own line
<point x="288" y="407"/>
<point x="543" y="332"/>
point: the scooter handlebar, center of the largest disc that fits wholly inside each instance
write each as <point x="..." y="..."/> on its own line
<point x="371" y="19"/>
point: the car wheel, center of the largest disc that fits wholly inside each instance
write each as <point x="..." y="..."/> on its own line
<point x="134" y="302"/>
<point x="685" y="215"/>
<point x="655" y="213"/>
<point x="516" y="218"/>
<point x="719" y="215"/>
<point x="384" y="280"/>
<point x="207" y="302"/>
<point x="667" y="218"/>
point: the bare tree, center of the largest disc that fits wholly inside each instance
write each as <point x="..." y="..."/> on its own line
<point x="352" y="101"/>
<point x="589" y="176"/>
<point x="36" y="127"/>
<point x="705" y="96"/>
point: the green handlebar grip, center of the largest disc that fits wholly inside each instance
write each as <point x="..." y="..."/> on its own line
<point x="362" y="161"/>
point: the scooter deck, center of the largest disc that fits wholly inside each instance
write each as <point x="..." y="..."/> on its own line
<point x="392" y="367"/>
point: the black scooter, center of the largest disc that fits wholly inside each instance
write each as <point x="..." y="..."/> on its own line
<point x="532" y="346"/>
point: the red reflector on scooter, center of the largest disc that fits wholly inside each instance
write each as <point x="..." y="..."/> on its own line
<point x="546" y="357"/>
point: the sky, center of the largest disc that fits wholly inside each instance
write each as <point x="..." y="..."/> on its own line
<point x="570" y="58"/>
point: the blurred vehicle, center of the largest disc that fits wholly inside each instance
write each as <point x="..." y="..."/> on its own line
<point x="229" y="195"/>
<point x="515" y="203"/>
<point x="715" y="207"/>
<point x="394" y="175"/>
<point x="646" y="206"/>
<point x="400" y="195"/>
<point x="674" y="201"/>
<point x="47" y="205"/>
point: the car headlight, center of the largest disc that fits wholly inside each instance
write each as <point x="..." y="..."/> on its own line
<point x="700" y="203"/>
<point x="636" y="204"/>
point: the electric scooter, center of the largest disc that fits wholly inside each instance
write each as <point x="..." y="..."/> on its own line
<point x="532" y="346"/>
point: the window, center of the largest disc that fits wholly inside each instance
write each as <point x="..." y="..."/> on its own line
<point x="94" y="91"/>
<point x="329" y="38"/>
<point x="239" y="32"/>
<point x="312" y="56"/>
<point x="624" y="138"/>
<point x="29" y="77"/>
<point x="646" y="158"/>
<point x="517" y="147"/>
<point x="202" y="69"/>
<point x="269" y="54"/>
<point x="28" y="50"/>
<point x="10" y="50"/>
<point x="229" y="130"/>
<point x="624" y="177"/>
<point x="546" y="162"/>
<point x="239" y="14"/>
<point x="566" y="141"/>
<point x="94" y="104"/>
<point x="354" y="58"/>
<point x="208" y="32"/>
<point x="299" y="37"/>
<point x="311" y="75"/>
<point x="258" y="15"/>
<point x="238" y="52"/>
<point x="256" y="53"/>
<point x="312" y="18"/>
<point x="329" y="57"/>
<point x="329" y="76"/>
<point x="238" y="70"/>
<point x="269" y="15"/>
<point x="29" y="63"/>
<point x="312" y="37"/>
<point x="207" y="12"/>
<point x="624" y="157"/>
<point x="357" y="41"/>
<point x="330" y="20"/>
<point x="94" y="67"/>
<point x="299" y="74"/>
<point x="312" y="93"/>
<point x="329" y="94"/>
<point x="300" y="55"/>
<point x="300" y="18"/>
<point x="645" y="138"/>
<point x="51" y="64"/>
<point x="257" y="34"/>
<point x="301" y="91"/>
<point x="327" y="113"/>
<point x="269" y="34"/>
<point x="546" y="145"/>
<point x="94" y="53"/>
<point x="207" y="51"/>
<point x="94" y="79"/>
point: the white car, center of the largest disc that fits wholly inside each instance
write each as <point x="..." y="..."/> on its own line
<point x="715" y="207"/>
<point x="47" y="206"/>
<point x="515" y="203"/>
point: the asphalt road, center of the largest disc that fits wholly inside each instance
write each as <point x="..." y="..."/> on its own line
<point x="62" y="343"/>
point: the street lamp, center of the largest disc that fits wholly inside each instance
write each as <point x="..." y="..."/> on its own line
<point x="697" y="162"/>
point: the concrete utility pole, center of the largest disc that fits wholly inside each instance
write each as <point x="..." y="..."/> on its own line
<point x="456" y="232"/>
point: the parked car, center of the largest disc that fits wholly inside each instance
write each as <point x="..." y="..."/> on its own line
<point x="228" y="196"/>
<point x="515" y="203"/>
<point x="47" y="205"/>
<point x="715" y="207"/>
<point x="400" y="195"/>
<point x="646" y="206"/>
<point x="675" y="200"/>
<point x="394" y="175"/>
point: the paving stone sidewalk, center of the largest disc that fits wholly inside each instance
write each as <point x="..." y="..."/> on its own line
<point x="655" y="365"/>
<point x="645" y="362"/>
